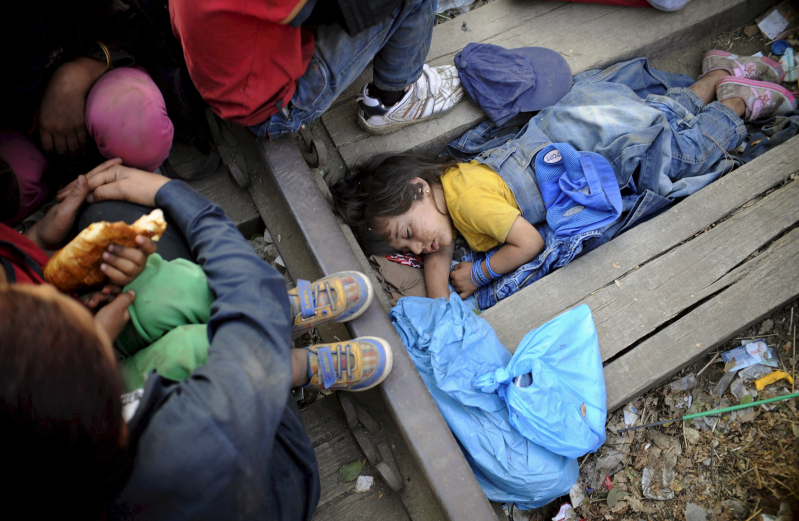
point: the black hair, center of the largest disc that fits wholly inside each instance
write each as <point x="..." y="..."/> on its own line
<point x="382" y="188"/>
<point x="60" y="410"/>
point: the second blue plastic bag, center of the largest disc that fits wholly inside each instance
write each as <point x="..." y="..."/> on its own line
<point x="450" y="347"/>
<point x="563" y="358"/>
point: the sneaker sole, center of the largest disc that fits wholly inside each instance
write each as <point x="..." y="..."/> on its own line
<point x="388" y="129"/>
<point x="761" y="84"/>
<point x="389" y="362"/>
<point x="768" y="61"/>
<point x="369" y="295"/>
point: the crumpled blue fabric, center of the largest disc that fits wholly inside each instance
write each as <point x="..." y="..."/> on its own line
<point x="450" y="346"/>
<point x="566" y="366"/>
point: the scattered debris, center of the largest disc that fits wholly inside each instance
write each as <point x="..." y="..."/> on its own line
<point x="465" y="27"/>
<point x="566" y="513"/>
<point x="363" y="484"/>
<point x="770" y="379"/>
<point x="685" y="383"/>
<point x="694" y="512"/>
<point x="350" y="471"/>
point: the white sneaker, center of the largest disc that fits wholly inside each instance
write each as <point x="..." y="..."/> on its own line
<point x="435" y="93"/>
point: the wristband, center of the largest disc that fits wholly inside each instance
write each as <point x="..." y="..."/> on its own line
<point x="477" y="275"/>
<point x="491" y="273"/>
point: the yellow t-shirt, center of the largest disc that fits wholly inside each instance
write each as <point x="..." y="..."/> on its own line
<point x="481" y="205"/>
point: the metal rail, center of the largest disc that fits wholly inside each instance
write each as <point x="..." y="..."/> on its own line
<point x="317" y="244"/>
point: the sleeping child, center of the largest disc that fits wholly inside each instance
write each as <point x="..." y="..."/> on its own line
<point x="612" y="152"/>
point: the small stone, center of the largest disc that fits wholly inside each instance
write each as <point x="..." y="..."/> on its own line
<point x="751" y="30"/>
<point x="706" y="462"/>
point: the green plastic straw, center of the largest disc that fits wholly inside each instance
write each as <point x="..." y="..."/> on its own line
<point x="714" y="412"/>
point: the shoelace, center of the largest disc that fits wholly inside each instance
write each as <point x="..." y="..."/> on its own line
<point x="330" y="296"/>
<point x="346" y="350"/>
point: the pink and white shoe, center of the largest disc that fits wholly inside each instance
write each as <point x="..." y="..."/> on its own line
<point x="762" y="99"/>
<point x="750" y="67"/>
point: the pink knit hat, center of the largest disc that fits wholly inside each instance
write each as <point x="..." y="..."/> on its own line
<point x="126" y="116"/>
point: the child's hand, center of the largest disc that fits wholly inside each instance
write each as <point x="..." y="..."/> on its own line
<point x="113" y="317"/>
<point x="104" y="296"/>
<point x="122" y="264"/>
<point x="461" y="279"/>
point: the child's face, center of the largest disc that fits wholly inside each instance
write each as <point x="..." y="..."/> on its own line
<point x="425" y="228"/>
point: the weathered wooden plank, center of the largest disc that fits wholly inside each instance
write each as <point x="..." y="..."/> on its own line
<point x="665" y="288"/>
<point x="771" y="280"/>
<point x="218" y="187"/>
<point x="335" y="446"/>
<point x="513" y="317"/>
<point x="607" y="34"/>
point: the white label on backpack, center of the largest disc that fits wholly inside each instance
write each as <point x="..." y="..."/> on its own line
<point x="571" y="211"/>
<point x="553" y="156"/>
<point x="130" y="402"/>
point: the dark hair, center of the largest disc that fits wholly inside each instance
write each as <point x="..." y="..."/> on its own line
<point x="382" y="188"/>
<point x="60" y="409"/>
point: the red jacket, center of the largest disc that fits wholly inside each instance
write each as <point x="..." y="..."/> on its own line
<point x="243" y="61"/>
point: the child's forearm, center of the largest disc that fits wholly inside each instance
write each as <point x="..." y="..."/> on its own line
<point x="522" y="245"/>
<point x="436" y="271"/>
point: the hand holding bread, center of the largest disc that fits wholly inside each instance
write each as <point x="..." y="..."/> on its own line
<point x="78" y="264"/>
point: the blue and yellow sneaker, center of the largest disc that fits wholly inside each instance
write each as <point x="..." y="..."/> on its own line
<point x="354" y="365"/>
<point x="340" y="297"/>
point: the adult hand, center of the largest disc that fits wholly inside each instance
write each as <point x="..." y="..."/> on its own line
<point x="62" y="113"/>
<point x="113" y="317"/>
<point x="111" y="181"/>
<point x="122" y="264"/>
<point x="461" y="278"/>
<point x="51" y="232"/>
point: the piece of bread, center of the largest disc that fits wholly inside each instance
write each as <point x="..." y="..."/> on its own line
<point x="77" y="264"/>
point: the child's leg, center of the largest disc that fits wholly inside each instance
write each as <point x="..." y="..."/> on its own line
<point x="168" y="295"/>
<point x="702" y="132"/>
<point x="705" y="88"/>
<point x="173" y="356"/>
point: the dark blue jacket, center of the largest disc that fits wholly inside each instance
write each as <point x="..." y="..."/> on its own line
<point x="224" y="444"/>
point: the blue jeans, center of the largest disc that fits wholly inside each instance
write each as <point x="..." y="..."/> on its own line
<point x="398" y="46"/>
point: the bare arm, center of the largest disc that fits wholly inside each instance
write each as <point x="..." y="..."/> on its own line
<point x="522" y="245"/>
<point x="436" y="271"/>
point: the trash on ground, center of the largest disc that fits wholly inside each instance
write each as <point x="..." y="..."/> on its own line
<point x="350" y="471"/>
<point x="364" y="483"/>
<point x="655" y="484"/>
<point x="739" y="390"/>
<point x="694" y="512"/>
<point x="685" y="383"/>
<point x="750" y="353"/>
<point x="577" y="494"/>
<point x="770" y="379"/>
<point x="779" y="21"/>
<point x="566" y="513"/>
<point x="721" y="387"/>
<point x="755" y="372"/>
<point x="630" y="415"/>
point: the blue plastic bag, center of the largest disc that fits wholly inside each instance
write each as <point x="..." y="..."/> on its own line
<point x="563" y="358"/>
<point x="450" y="347"/>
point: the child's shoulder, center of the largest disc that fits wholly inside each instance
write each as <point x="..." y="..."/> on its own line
<point x="464" y="176"/>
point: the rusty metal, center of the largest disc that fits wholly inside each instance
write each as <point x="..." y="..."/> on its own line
<point x="289" y="188"/>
